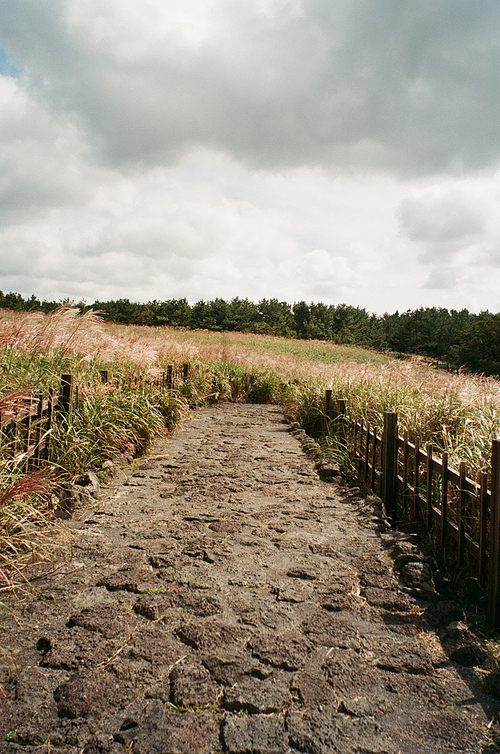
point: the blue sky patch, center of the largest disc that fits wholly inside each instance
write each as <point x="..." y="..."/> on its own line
<point x="7" y="67"/>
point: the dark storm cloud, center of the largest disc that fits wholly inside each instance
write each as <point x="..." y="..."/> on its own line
<point x="407" y="87"/>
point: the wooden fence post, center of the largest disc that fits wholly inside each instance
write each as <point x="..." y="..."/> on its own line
<point x="185" y="372"/>
<point x="444" y="498"/>
<point x="66" y="396"/>
<point x="27" y="439"/>
<point x="416" y="481"/>
<point x="328" y="404"/>
<point x="50" y="421"/>
<point x="483" y="523"/>
<point x="406" y="474"/>
<point x="389" y="461"/>
<point x="341" y="421"/>
<point x="39" y="430"/>
<point x="328" y="409"/>
<point x="360" y="452"/>
<point x="428" y="497"/>
<point x="374" y="459"/>
<point x="462" y="471"/>
<point x="367" y="452"/>
<point x="493" y="607"/>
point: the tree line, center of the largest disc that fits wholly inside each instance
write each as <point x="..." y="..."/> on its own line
<point x="458" y="338"/>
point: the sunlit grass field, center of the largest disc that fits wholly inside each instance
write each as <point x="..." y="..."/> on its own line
<point x="455" y="412"/>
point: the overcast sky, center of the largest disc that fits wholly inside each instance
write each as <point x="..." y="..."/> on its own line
<point x="336" y="151"/>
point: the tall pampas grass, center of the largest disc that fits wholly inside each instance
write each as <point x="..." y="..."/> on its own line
<point x="29" y="532"/>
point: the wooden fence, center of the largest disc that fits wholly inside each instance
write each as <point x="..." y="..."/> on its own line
<point x="170" y="379"/>
<point x="27" y="421"/>
<point x="462" y="514"/>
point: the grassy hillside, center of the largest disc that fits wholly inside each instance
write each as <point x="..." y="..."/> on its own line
<point x="456" y="412"/>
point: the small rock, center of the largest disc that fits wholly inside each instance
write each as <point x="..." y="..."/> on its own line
<point x="455" y="630"/>
<point x="332" y="629"/>
<point x="70" y="497"/>
<point x="154" y="606"/>
<point x="287" y="652"/>
<point x="229" y="667"/>
<point x="316" y="733"/>
<point x="405" y="552"/>
<point x="405" y="657"/>
<point x="110" y="467"/>
<point x="209" y="635"/>
<point x="74" y="648"/>
<point x="469" y="655"/>
<point x="312" y="688"/>
<point x="443" y="613"/>
<point x="86" y="694"/>
<point x="365" y="706"/>
<point x="155" y="730"/>
<point x="328" y="470"/>
<point x="293" y="592"/>
<point x="379" y="523"/>
<point x="418" y="576"/>
<point x="100" y="744"/>
<point x="89" y="482"/>
<point x="101" y="619"/>
<point x="387" y="598"/>
<point x="138" y="580"/>
<point x="301" y="572"/>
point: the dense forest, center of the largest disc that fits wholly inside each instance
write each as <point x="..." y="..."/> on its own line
<point x="457" y="338"/>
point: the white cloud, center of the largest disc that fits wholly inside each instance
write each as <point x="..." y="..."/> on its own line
<point x="40" y="156"/>
<point x="379" y="84"/>
<point x="443" y="214"/>
<point x="263" y="148"/>
<point x="453" y="220"/>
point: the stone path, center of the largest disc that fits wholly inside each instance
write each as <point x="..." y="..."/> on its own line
<point x="223" y="598"/>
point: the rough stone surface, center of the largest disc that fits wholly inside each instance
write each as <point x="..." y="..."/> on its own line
<point x="193" y="686"/>
<point x="155" y="730"/>
<point x="255" y="695"/>
<point x="319" y="733"/>
<point x="222" y="598"/>
<point x="256" y="734"/>
<point x="83" y="694"/>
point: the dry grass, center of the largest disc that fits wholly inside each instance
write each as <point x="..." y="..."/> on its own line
<point x="29" y="533"/>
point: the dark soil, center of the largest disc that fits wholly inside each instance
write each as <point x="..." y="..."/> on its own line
<point x="223" y="598"/>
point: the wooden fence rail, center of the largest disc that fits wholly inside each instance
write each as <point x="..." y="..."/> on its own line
<point x="463" y="513"/>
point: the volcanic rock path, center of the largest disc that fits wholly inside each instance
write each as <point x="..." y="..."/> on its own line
<point x="222" y="598"/>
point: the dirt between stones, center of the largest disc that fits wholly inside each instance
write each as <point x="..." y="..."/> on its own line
<point x="222" y="598"/>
